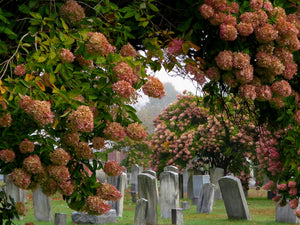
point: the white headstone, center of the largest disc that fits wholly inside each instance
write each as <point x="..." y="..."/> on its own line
<point x="84" y="218"/>
<point x="169" y="193"/>
<point x="177" y="216"/>
<point x="119" y="182"/>
<point x="198" y="181"/>
<point x="285" y="214"/>
<point x="135" y="170"/>
<point x="147" y="190"/>
<point x="206" y="198"/>
<point x="140" y="212"/>
<point x="42" y="206"/>
<point x="215" y="174"/>
<point x="234" y="198"/>
<point x="171" y="168"/>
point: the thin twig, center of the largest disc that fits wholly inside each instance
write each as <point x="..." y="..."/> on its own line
<point x="7" y="62"/>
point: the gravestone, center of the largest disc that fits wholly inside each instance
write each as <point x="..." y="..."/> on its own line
<point x="185" y="181"/>
<point x="190" y="186"/>
<point x="285" y="214"/>
<point x="42" y="206"/>
<point x="215" y="174"/>
<point x="169" y="193"/>
<point x="153" y="173"/>
<point x="119" y="182"/>
<point x="171" y="168"/>
<point x="147" y="190"/>
<point x="177" y="216"/>
<point x="16" y="193"/>
<point x="234" y="198"/>
<point x="140" y="212"/>
<point x="185" y="205"/>
<point x="60" y="219"/>
<point x="84" y="218"/>
<point x="206" y="198"/>
<point x="101" y="176"/>
<point x="198" y="181"/>
<point x="135" y="170"/>
<point x="181" y="193"/>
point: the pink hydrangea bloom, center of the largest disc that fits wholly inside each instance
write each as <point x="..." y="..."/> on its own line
<point x="292" y="184"/>
<point x="123" y="89"/>
<point x="128" y="50"/>
<point x="245" y="29"/>
<point x="112" y="168"/>
<point x="114" y="131"/>
<point x="248" y="91"/>
<point x="282" y="186"/>
<point x="21" y="208"/>
<point x="82" y="119"/>
<point x="67" y="188"/>
<point x="26" y="146"/>
<point x="175" y="46"/>
<point x="60" y="157"/>
<point x="154" y="88"/>
<point x="95" y="205"/>
<point x="58" y="173"/>
<point x="245" y="75"/>
<point x="7" y="155"/>
<point x="256" y="4"/>
<point x="70" y="139"/>
<point x="206" y="11"/>
<point x="33" y="164"/>
<point x="281" y="88"/>
<point x="108" y="192"/>
<point x="293" y="191"/>
<point x="20" y="178"/>
<point x="20" y="70"/>
<point x="266" y="33"/>
<point x="72" y="11"/>
<point x="224" y="60"/>
<point x="228" y="32"/>
<point x="241" y="60"/>
<point x="293" y="203"/>
<point x="98" y="45"/>
<point x="98" y="142"/>
<point x="84" y="151"/>
<point x="136" y="132"/>
<point x="263" y="93"/>
<point x="39" y="110"/>
<point x="123" y="71"/>
<point x="66" y="55"/>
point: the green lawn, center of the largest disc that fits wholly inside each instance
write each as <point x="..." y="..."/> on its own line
<point x="262" y="212"/>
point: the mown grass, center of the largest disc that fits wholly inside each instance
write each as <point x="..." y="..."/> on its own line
<point x="262" y="212"/>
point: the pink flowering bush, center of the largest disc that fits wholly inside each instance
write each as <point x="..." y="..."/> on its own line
<point x="187" y="133"/>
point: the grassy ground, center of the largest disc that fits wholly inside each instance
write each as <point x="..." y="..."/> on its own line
<point x="262" y="212"/>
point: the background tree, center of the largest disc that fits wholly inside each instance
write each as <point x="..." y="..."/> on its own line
<point x="187" y="132"/>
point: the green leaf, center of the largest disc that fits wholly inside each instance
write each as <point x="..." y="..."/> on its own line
<point x="143" y="5"/>
<point x="36" y="15"/>
<point x="129" y="14"/>
<point x="65" y="26"/>
<point x="153" y="7"/>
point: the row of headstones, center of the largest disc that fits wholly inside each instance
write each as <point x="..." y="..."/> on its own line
<point x="202" y="193"/>
<point x="42" y="203"/>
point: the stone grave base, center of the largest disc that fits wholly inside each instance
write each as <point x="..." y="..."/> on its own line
<point x="84" y="218"/>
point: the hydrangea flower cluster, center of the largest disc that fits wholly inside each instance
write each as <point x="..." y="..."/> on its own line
<point x="72" y="12"/>
<point x="39" y="110"/>
<point x="26" y="146"/>
<point x="84" y="151"/>
<point x="33" y="164"/>
<point x="98" y="142"/>
<point x="20" y="178"/>
<point x="21" y="208"/>
<point x="124" y="72"/>
<point x="123" y="89"/>
<point x="175" y="46"/>
<point x="108" y="192"/>
<point x="136" y="131"/>
<point x="60" y="157"/>
<point x="7" y="155"/>
<point x="20" y="70"/>
<point x="98" y="44"/>
<point x="114" y="131"/>
<point x="128" y="51"/>
<point x="277" y="34"/>
<point x="95" y="205"/>
<point x="112" y="168"/>
<point x="81" y="120"/>
<point x="154" y="88"/>
<point x="66" y="55"/>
